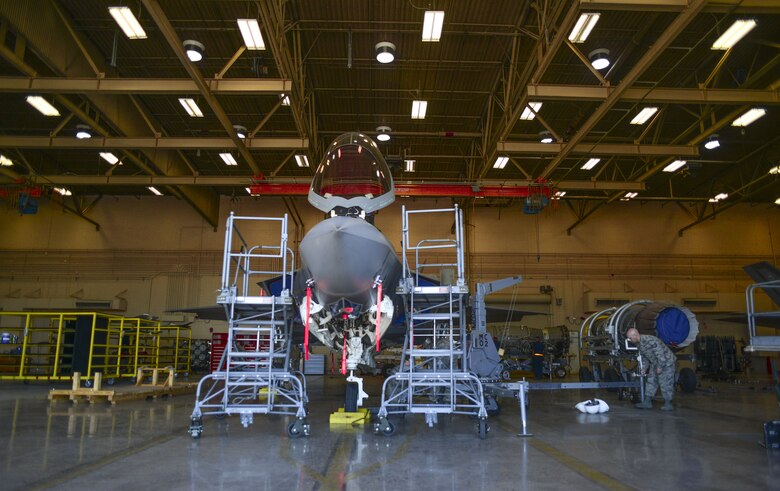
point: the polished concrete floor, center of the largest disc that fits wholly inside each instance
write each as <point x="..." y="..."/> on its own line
<point x="710" y="442"/>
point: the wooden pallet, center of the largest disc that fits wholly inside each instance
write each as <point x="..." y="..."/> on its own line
<point x="138" y="392"/>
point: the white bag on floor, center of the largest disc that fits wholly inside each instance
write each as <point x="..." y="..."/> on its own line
<point x="592" y="406"/>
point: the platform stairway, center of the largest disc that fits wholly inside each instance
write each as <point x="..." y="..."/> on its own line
<point x="433" y="377"/>
<point x="254" y="375"/>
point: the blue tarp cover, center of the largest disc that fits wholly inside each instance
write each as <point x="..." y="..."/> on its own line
<point x="672" y="326"/>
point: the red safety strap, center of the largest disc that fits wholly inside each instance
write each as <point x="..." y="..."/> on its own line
<point x="378" y="313"/>
<point x="344" y="358"/>
<point x="306" y="331"/>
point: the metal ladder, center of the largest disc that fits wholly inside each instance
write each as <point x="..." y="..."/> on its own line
<point x="433" y="377"/>
<point x="255" y="374"/>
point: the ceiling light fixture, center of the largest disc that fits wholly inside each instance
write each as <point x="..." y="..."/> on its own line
<point x="383" y="133"/>
<point x="191" y="107"/>
<point x="582" y="28"/>
<point x="749" y="116"/>
<point x="228" y="158"/>
<point x="590" y="164"/>
<point x="109" y="157"/>
<point x="777" y="201"/>
<point x="154" y="190"/>
<point x="285" y="99"/>
<point x="409" y="165"/>
<point x="385" y="52"/>
<point x="529" y="113"/>
<point x="42" y="105"/>
<point x="718" y="197"/>
<point x="83" y="132"/>
<point x="432" y="24"/>
<point x="644" y="115"/>
<point x="675" y="165"/>
<point x="240" y="131"/>
<point x="64" y="191"/>
<point x="127" y="22"/>
<point x="599" y="58"/>
<point x="5" y="161"/>
<point x="630" y="195"/>
<point x="250" y="31"/>
<point x="712" y="143"/>
<point x="559" y="194"/>
<point x="302" y="160"/>
<point x="418" y="109"/>
<point x="734" y="33"/>
<point x="500" y="162"/>
<point x="545" y="137"/>
<point x="194" y="50"/>
<point x="774" y="170"/>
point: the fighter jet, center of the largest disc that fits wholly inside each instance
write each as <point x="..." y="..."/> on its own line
<point x="345" y="289"/>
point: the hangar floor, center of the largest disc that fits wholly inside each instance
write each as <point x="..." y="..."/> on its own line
<point x="709" y="442"/>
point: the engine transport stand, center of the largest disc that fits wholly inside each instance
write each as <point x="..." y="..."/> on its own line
<point x="519" y="390"/>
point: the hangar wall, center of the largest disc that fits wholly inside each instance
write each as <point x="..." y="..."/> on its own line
<point x="152" y="254"/>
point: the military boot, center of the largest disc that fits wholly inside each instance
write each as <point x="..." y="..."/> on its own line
<point x="646" y="404"/>
<point x="667" y="406"/>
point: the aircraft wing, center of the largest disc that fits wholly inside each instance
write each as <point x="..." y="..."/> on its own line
<point x="506" y="314"/>
<point x="761" y="321"/>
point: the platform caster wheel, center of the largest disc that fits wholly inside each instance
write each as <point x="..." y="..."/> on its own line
<point x="297" y="429"/>
<point x="482" y="429"/>
<point x="196" y="427"/>
<point x="384" y="427"/>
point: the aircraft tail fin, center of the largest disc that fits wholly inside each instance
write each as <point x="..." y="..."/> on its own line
<point x="764" y="272"/>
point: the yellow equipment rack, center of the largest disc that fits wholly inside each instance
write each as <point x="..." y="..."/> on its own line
<point x="54" y="345"/>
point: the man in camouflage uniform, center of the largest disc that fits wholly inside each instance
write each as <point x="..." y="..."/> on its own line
<point x="660" y="365"/>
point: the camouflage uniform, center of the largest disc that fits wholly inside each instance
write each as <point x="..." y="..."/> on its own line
<point x="657" y="355"/>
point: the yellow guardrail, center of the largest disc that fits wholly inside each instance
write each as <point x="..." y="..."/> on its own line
<point x="54" y="345"/>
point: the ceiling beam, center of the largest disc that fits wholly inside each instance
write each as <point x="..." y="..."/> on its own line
<point x="172" y="142"/>
<point x="54" y="45"/>
<point x="86" y="85"/>
<point x="713" y="6"/>
<point x="175" y="43"/>
<point x="541" y="92"/>
<point x="664" y="40"/>
<point x="300" y="186"/>
<point x="605" y="149"/>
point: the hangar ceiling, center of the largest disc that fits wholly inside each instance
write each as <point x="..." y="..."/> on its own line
<point x="493" y="59"/>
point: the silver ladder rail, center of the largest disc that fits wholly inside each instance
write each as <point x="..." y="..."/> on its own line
<point x="254" y="375"/>
<point x="760" y="342"/>
<point x="433" y="377"/>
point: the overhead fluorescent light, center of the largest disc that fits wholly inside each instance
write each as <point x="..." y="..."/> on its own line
<point x="630" y="195"/>
<point x="734" y="33"/>
<point x="409" y="165"/>
<point x="644" y="115"/>
<point x="285" y="99"/>
<point x="750" y="116"/>
<point x="432" y="24"/>
<point x="674" y="165"/>
<point x="109" y="157"/>
<point x="418" y="109"/>
<point x="718" y="197"/>
<point x="64" y="191"/>
<point x="590" y="164"/>
<point x="250" y="31"/>
<point x="501" y="162"/>
<point x="42" y="105"/>
<point x="302" y="160"/>
<point x="5" y="161"/>
<point x="559" y="194"/>
<point x="528" y="114"/>
<point x="191" y="107"/>
<point x="154" y="190"/>
<point x="248" y="191"/>
<point x="582" y="28"/>
<point x="127" y="22"/>
<point x="228" y="158"/>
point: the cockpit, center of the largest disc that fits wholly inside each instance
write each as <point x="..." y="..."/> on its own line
<point x="353" y="178"/>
